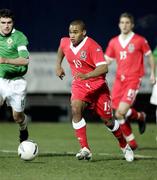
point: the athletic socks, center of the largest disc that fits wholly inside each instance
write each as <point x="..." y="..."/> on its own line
<point x="23" y="124"/>
<point x="118" y="134"/>
<point x="132" y="114"/>
<point x="80" y="132"/>
<point x="127" y="132"/>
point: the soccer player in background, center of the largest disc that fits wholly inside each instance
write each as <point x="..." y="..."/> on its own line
<point x="89" y="88"/>
<point x="13" y="65"/>
<point x="153" y="98"/>
<point x="128" y="49"/>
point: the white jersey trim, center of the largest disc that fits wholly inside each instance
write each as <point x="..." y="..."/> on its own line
<point x="147" y="53"/>
<point x="109" y="58"/>
<point x="76" y="49"/>
<point x="13" y="31"/>
<point x="20" y="48"/>
<point x="100" y="63"/>
<point x="125" y="42"/>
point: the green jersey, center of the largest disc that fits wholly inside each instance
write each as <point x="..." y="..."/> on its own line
<point x="11" y="47"/>
<point x="155" y="56"/>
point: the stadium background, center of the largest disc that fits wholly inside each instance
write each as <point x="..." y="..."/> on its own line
<point x="45" y="22"/>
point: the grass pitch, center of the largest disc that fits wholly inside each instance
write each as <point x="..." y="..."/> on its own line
<point x="57" y="148"/>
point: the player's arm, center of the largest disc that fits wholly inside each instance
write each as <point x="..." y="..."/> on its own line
<point x="109" y="53"/>
<point x="17" y="61"/>
<point x="59" y="69"/>
<point x="108" y="59"/>
<point x="99" y="70"/>
<point x="21" y="60"/>
<point x="151" y="61"/>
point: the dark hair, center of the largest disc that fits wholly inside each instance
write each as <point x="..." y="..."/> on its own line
<point x="7" y="13"/>
<point x="127" y="15"/>
<point x="80" y="23"/>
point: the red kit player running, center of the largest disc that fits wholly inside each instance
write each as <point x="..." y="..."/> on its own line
<point x="128" y="50"/>
<point x="89" y="88"/>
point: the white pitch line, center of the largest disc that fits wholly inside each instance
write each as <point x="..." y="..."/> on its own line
<point x="73" y="153"/>
<point x="7" y="151"/>
<point x="136" y="155"/>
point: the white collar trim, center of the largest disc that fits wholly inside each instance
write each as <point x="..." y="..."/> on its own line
<point x="13" y="30"/>
<point x="124" y="42"/>
<point x="77" y="48"/>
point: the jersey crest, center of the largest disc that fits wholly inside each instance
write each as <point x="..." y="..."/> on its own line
<point x="83" y="55"/>
<point x="131" y="47"/>
<point x="9" y="42"/>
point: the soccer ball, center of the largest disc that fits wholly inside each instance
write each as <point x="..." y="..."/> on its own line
<point x="28" y="150"/>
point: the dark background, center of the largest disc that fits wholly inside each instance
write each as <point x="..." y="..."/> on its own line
<point x="45" y="22"/>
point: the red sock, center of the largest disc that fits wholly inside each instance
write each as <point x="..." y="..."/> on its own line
<point x="134" y="115"/>
<point x="82" y="137"/>
<point x="126" y="128"/>
<point x="127" y="132"/>
<point x="119" y="136"/>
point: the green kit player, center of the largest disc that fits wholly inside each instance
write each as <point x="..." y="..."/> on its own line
<point x="13" y="65"/>
<point x="153" y="98"/>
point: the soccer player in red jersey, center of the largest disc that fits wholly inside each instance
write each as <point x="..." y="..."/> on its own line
<point x="89" y="88"/>
<point x="128" y="49"/>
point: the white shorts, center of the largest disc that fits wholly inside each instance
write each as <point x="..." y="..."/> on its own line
<point x="153" y="98"/>
<point x="14" y="92"/>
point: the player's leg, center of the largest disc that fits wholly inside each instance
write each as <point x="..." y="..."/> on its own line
<point x="140" y="117"/>
<point x="113" y="126"/>
<point x="79" y="125"/>
<point x="132" y="88"/>
<point x="153" y="98"/>
<point x="156" y="114"/>
<point x="125" y="125"/>
<point x="79" y="101"/>
<point x="104" y="110"/>
<point x="129" y="91"/>
<point x="21" y="119"/>
<point x="16" y="100"/>
<point x="117" y="132"/>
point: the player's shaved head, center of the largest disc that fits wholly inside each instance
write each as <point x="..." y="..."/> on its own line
<point x="80" y="23"/>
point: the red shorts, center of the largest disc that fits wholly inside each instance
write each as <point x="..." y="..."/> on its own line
<point x="125" y="91"/>
<point x="97" y="95"/>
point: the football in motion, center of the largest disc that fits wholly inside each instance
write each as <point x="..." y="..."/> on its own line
<point x="28" y="150"/>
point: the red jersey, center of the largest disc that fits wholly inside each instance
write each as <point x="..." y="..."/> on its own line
<point x="129" y="55"/>
<point x="83" y="58"/>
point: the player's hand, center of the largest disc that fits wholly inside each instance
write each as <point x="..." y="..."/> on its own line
<point x="152" y="79"/>
<point x="60" y="72"/>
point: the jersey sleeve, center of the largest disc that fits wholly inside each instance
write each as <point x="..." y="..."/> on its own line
<point x="155" y="54"/>
<point x="97" y="55"/>
<point x="110" y="50"/>
<point x="63" y="42"/>
<point x="22" y="43"/>
<point x="61" y="45"/>
<point x="145" y="46"/>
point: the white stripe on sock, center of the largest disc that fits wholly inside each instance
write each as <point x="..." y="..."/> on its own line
<point x="80" y="124"/>
<point x="130" y="137"/>
<point x="116" y="126"/>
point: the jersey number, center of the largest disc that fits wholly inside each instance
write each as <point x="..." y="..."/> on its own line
<point x="123" y="55"/>
<point x="77" y="63"/>
<point x="107" y="106"/>
<point x="131" y="94"/>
